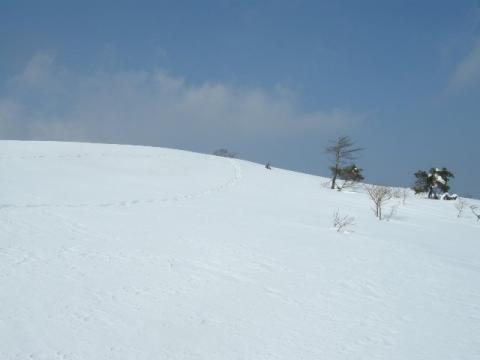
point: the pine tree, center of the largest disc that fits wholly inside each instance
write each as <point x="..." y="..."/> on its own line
<point x="341" y="151"/>
<point x="435" y="178"/>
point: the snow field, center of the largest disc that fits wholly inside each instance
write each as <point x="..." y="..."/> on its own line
<point x="125" y="252"/>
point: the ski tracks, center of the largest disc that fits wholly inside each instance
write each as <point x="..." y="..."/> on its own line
<point x="230" y="182"/>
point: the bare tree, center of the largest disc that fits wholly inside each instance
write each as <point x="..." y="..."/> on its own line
<point x="342" y="222"/>
<point x="342" y="150"/>
<point x="379" y="195"/>
<point x="474" y="211"/>
<point x="460" y="206"/>
<point x="401" y="194"/>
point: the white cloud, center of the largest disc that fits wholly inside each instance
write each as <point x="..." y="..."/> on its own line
<point x="467" y="71"/>
<point x="48" y="102"/>
<point x="40" y="72"/>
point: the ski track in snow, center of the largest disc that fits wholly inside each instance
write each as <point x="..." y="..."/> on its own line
<point x="179" y="197"/>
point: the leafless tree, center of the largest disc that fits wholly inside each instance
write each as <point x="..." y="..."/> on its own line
<point x="341" y="222"/>
<point x="379" y="195"/>
<point x="401" y="194"/>
<point x="460" y="206"/>
<point x="342" y="150"/>
<point x="474" y="211"/>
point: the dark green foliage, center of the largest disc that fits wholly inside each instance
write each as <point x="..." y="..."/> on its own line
<point x="446" y="176"/>
<point x="422" y="183"/>
<point x="349" y="174"/>
<point x="435" y="178"/>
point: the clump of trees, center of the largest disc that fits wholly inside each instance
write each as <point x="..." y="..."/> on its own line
<point x="224" y="153"/>
<point x="429" y="181"/>
<point x="345" y="173"/>
<point x="343" y="151"/>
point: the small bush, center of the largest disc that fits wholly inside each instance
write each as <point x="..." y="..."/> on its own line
<point x="460" y="206"/>
<point x="474" y="209"/>
<point x="342" y="222"/>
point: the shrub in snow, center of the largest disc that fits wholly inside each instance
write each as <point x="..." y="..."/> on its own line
<point x="474" y="211"/>
<point x="342" y="222"/>
<point x="400" y="193"/>
<point x="460" y="205"/>
<point x="391" y="213"/>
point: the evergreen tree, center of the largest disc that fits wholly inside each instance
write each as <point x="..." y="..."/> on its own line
<point x="342" y="150"/>
<point x="428" y="181"/>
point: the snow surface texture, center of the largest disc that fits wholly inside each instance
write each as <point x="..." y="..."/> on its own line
<point x="124" y="252"/>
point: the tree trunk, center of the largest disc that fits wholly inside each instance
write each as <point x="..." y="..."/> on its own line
<point x="334" y="179"/>
<point x="333" y="182"/>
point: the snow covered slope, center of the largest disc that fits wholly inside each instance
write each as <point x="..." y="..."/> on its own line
<point x="123" y="252"/>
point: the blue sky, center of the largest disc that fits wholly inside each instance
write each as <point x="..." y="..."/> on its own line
<point x="271" y="80"/>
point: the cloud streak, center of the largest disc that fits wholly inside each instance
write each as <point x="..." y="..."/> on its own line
<point x="467" y="71"/>
<point x="46" y="101"/>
